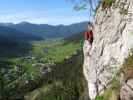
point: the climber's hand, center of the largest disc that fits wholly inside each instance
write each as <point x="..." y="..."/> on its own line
<point x="88" y="54"/>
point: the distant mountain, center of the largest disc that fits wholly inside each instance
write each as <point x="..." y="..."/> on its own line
<point x="48" y="31"/>
<point x="14" y="35"/>
<point x="12" y="40"/>
<point x="6" y="24"/>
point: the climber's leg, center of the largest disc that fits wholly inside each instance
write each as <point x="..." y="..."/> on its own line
<point x="87" y="47"/>
<point x="92" y="90"/>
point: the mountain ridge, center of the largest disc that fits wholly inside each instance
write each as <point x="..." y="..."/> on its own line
<point x="48" y="31"/>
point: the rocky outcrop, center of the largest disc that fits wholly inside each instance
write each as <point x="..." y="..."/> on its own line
<point x="113" y="41"/>
<point x="126" y="92"/>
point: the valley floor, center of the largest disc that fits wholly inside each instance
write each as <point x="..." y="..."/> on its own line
<point x="52" y="70"/>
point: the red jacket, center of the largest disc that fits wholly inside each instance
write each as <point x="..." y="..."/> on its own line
<point x="89" y="36"/>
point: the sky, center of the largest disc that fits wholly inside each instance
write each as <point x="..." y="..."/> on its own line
<point x="52" y="12"/>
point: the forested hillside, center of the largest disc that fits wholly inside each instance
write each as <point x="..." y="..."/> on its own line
<point x="15" y="41"/>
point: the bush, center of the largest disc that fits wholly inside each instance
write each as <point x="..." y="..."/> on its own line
<point x="124" y="11"/>
<point x="99" y="98"/>
<point x="128" y="62"/>
<point x="107" y="3"/>
<point x="127" y="68"/>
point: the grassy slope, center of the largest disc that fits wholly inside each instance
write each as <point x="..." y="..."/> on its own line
<point x="57" y="50"/>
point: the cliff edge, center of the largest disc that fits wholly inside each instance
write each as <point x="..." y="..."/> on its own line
<point x="113" y="42"/>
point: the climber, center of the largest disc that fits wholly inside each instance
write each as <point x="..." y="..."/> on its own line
<point x="89" y="33"/>
<point x="88" y="40"/>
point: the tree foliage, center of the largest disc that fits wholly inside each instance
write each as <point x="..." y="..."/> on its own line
<point x="90" y="5"/>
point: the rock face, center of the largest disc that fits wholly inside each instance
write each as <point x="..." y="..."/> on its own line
<point x="126" y="92"/>
<point x="113" y="41"/>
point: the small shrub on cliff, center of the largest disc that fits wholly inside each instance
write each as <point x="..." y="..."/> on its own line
<point x="123" y="11"/>
<point x="128" y="68"/>
<point x="107" y="3"/>
<point x="111" y="93"/>
<point x="128" y="62"/>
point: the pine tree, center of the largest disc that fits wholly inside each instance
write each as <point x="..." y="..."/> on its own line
<point x="2" y="93"/>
